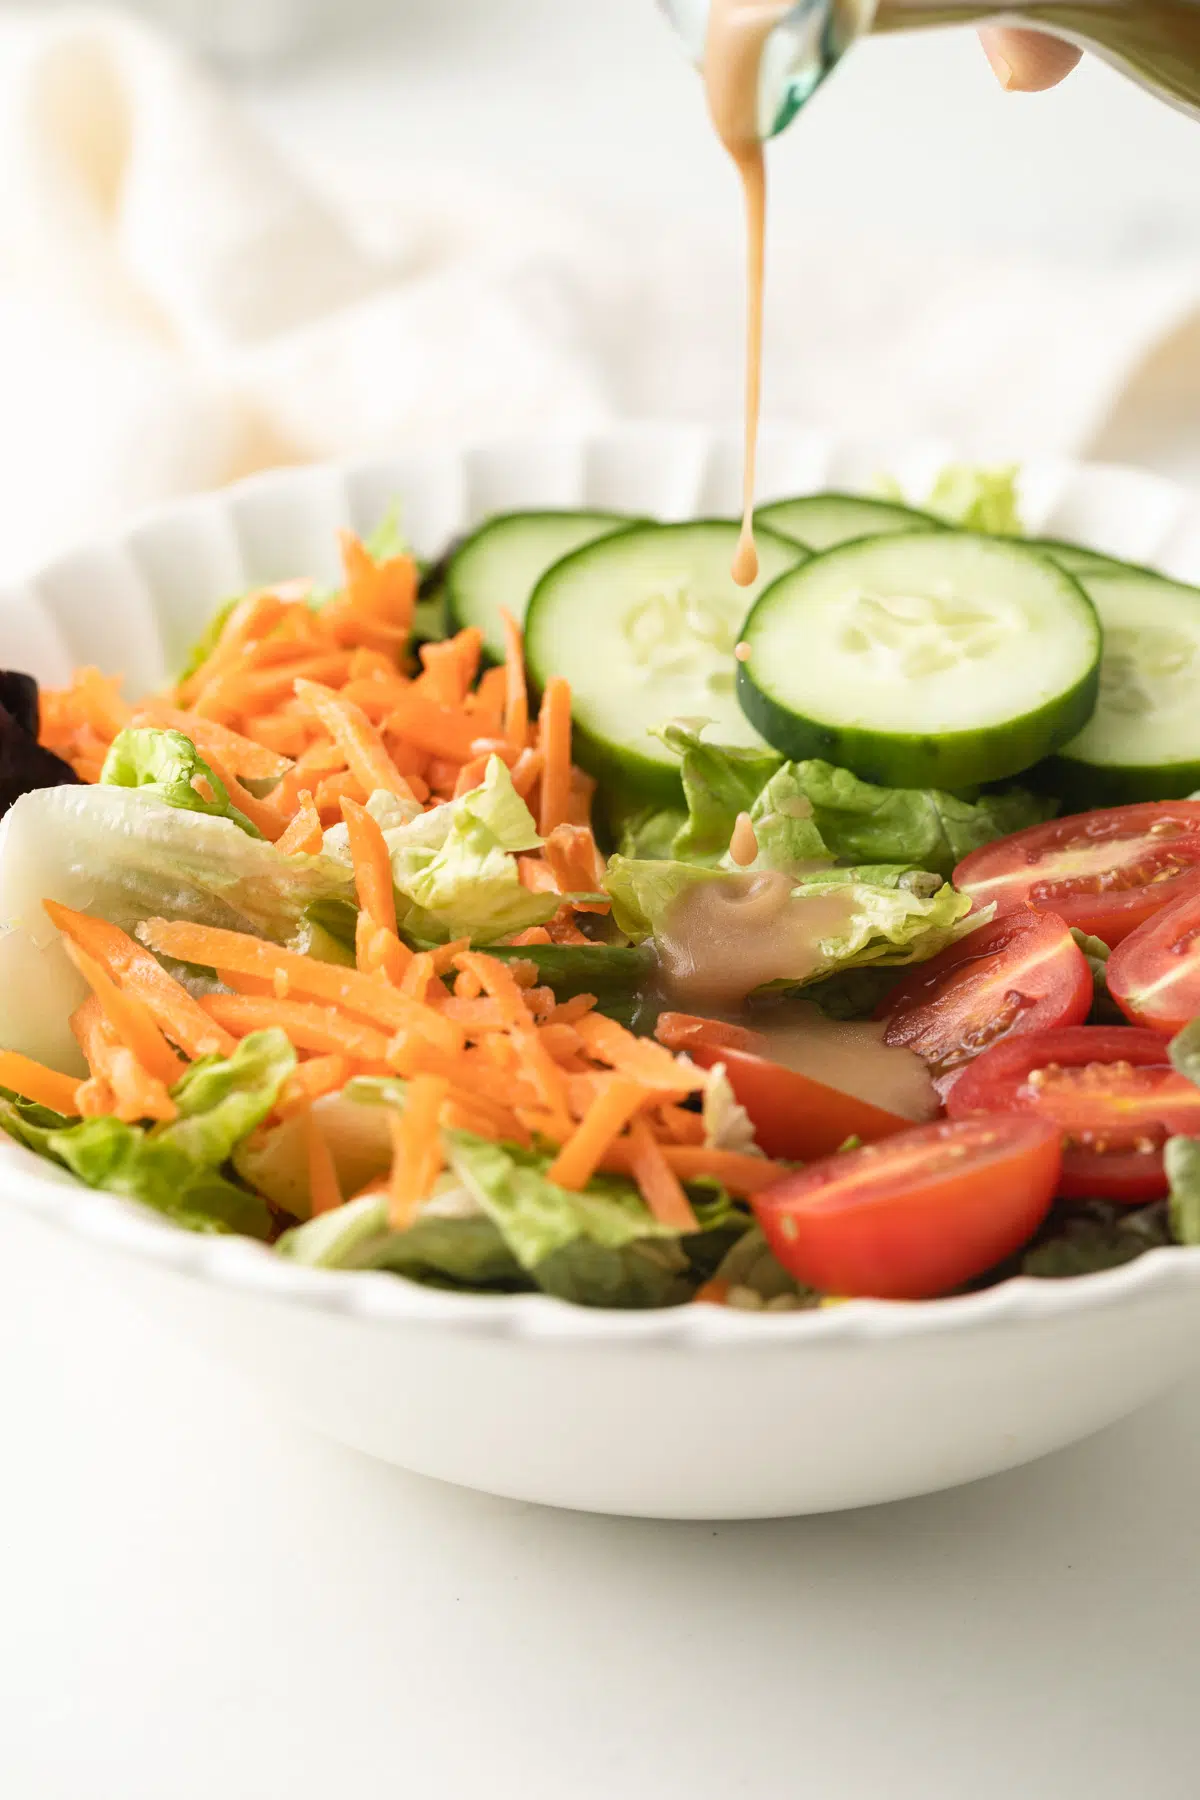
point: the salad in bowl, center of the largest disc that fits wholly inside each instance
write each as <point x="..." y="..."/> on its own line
<point x="554" y="917"/>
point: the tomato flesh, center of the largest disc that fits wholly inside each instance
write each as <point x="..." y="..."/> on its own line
<point x="1023" y="972"/>
<point x="794" y="1117"/>
<point x="1154" y="973"/>
<point x="916" y="1216"/>
<point x="1110" y="1090"/>
<point x="1104" y="872"/>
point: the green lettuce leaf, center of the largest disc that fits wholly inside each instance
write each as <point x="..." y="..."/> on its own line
<point x="1182" y="1158"/>
<point x="455" y="1248"/>
<point x="719" y="782"/>
<point x="166" y="766"/>
<point x="1184" y="1051"/>
<point x="891" y="916"/>
<point x="616" y="974"/>
<point x="176" y="1168"/>
<point x="601" y="1247"/>
<point x="860" y="823"/>
<point x="1086" y="1236"/>
<point x="757" y="1280"/>
<point x="978" y="499"/>
<point x="650" y="832"/>
<point x="208" y="640"/>
<point x="123" y="855"/>
<point x="456" y="866"/>
<point x="809" y="812"/>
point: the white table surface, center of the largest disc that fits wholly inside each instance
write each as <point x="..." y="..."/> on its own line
<point x="199" y="1602"/>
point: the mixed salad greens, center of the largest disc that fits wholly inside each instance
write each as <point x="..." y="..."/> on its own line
<point x="452" y="923"/>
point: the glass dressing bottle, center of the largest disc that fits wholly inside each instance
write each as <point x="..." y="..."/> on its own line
<point x="1155" y="42"/>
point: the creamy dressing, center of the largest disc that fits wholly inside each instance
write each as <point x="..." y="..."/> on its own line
<point x="723" y="939"/>
<point x="851" y="1056"/>
<point x="743" y="845"/>
<point x="738" y="31"/>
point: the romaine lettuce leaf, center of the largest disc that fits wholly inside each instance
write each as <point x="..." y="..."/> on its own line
<point x="751" y="1267"/>
<point x="804" y="813"/>
<point x="921" y="827"/>
<point x="166" y="766"/>
<point x="175" y="1168"/>
<point x="890" y="915"/>
<point x="719" y="782"/>
<point x="448" y="1244"/>
<point x="456" y="865"/>
<point x="123" y="855"/>
<point x="1184" y="1051"/>
<point x="1182" y="1159"/>
<point x="601" y="1247"/>
<point x="978" y="499"/>
<point x="1089" y="1235"/>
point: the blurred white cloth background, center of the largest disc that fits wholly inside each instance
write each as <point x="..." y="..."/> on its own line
<point x="178" y="307"/>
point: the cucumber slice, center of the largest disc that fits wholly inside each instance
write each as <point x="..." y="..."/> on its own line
<point x="821" y="521"/>
<point x="499" y="565"/>
<point x="1143" y="740"/>
<point x="1077" y="559"/>
<point x="643" y="625"/>
<point x="932" y="660"/>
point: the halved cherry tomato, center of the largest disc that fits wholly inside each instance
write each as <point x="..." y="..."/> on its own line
<point x="1108" y="1088"/>
<point x="793" y="1116"/>
<point x="1154" y="973"/>
<point x="1105" y="872"/>
<point x="1023" y="972"/>
<point x="918" y="1215"/>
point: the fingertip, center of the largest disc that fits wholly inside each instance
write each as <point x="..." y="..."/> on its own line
<point x="1028" y="62"/>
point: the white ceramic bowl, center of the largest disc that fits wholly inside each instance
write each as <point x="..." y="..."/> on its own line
<point x="692" y="1413"/>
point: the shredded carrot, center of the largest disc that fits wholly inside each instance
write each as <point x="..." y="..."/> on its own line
<point x="437" y="730"/>
<point x="526" y="772"/>
<point x="247" y="759"/>
<point x="497" y="979"/>
<point x="380" y="952"/>
<point x="372" y="866"/>
<point x="308" y="1026"/>
<point x="136" y="1093"/>
<point x="356" y="737"/>
<point x="516" y="694"/>
<point x="262" y="814"/>
<point x="661" y="1187"/>
<point x="136" y="971"/>
<point x="742" y="1174"/>
<point x="683" y="1031"/>
<point x="317" y="760"/>
<point x="450" y="668"/>
<point x="680" y="1125"/>
<point x="419" y="977"/>
<point x="324" y="1188"/>
<point x="362" y="995"/>
<point x="303" y="836"/>
<point x="240" y="693"/>
<point x="129" y="1017"/>
<point x="384" y="591"/>
<point x="537" y="934"/>
<point x="554" y="740"/>
<point x="569" y="1012"/>
<point x="639" y="1058"/>
<point x="417" y="1148"/>
<point x="608" y="1115"/>
<point x="713" y="1293"/>
<point x="470" y="776"/>
<point x="33" y="1081"/>
<point x="577" y="865"/>
<point x="319" y="1076"/>
<point x="332" y="791"/>
<point x="249" y="620"/>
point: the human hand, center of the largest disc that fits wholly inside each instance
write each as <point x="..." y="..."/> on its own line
<point x="1025" y="62"/>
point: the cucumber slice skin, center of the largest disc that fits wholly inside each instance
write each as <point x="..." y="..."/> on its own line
<point x="622" y="767"/>
<point x="823" y="521"/>
<point x="1079" y="560"/>
<point x="951" y="760"/>
<point x="464" y="607"/>
<point x="1124" y="597"/>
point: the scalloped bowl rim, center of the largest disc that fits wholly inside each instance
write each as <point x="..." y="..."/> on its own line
<point x="382" y="1299"/>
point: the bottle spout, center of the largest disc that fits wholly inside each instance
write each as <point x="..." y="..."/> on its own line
<point x="806" y="44"/>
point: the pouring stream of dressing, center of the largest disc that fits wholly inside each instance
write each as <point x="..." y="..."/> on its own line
<point x="738" y="31"/>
